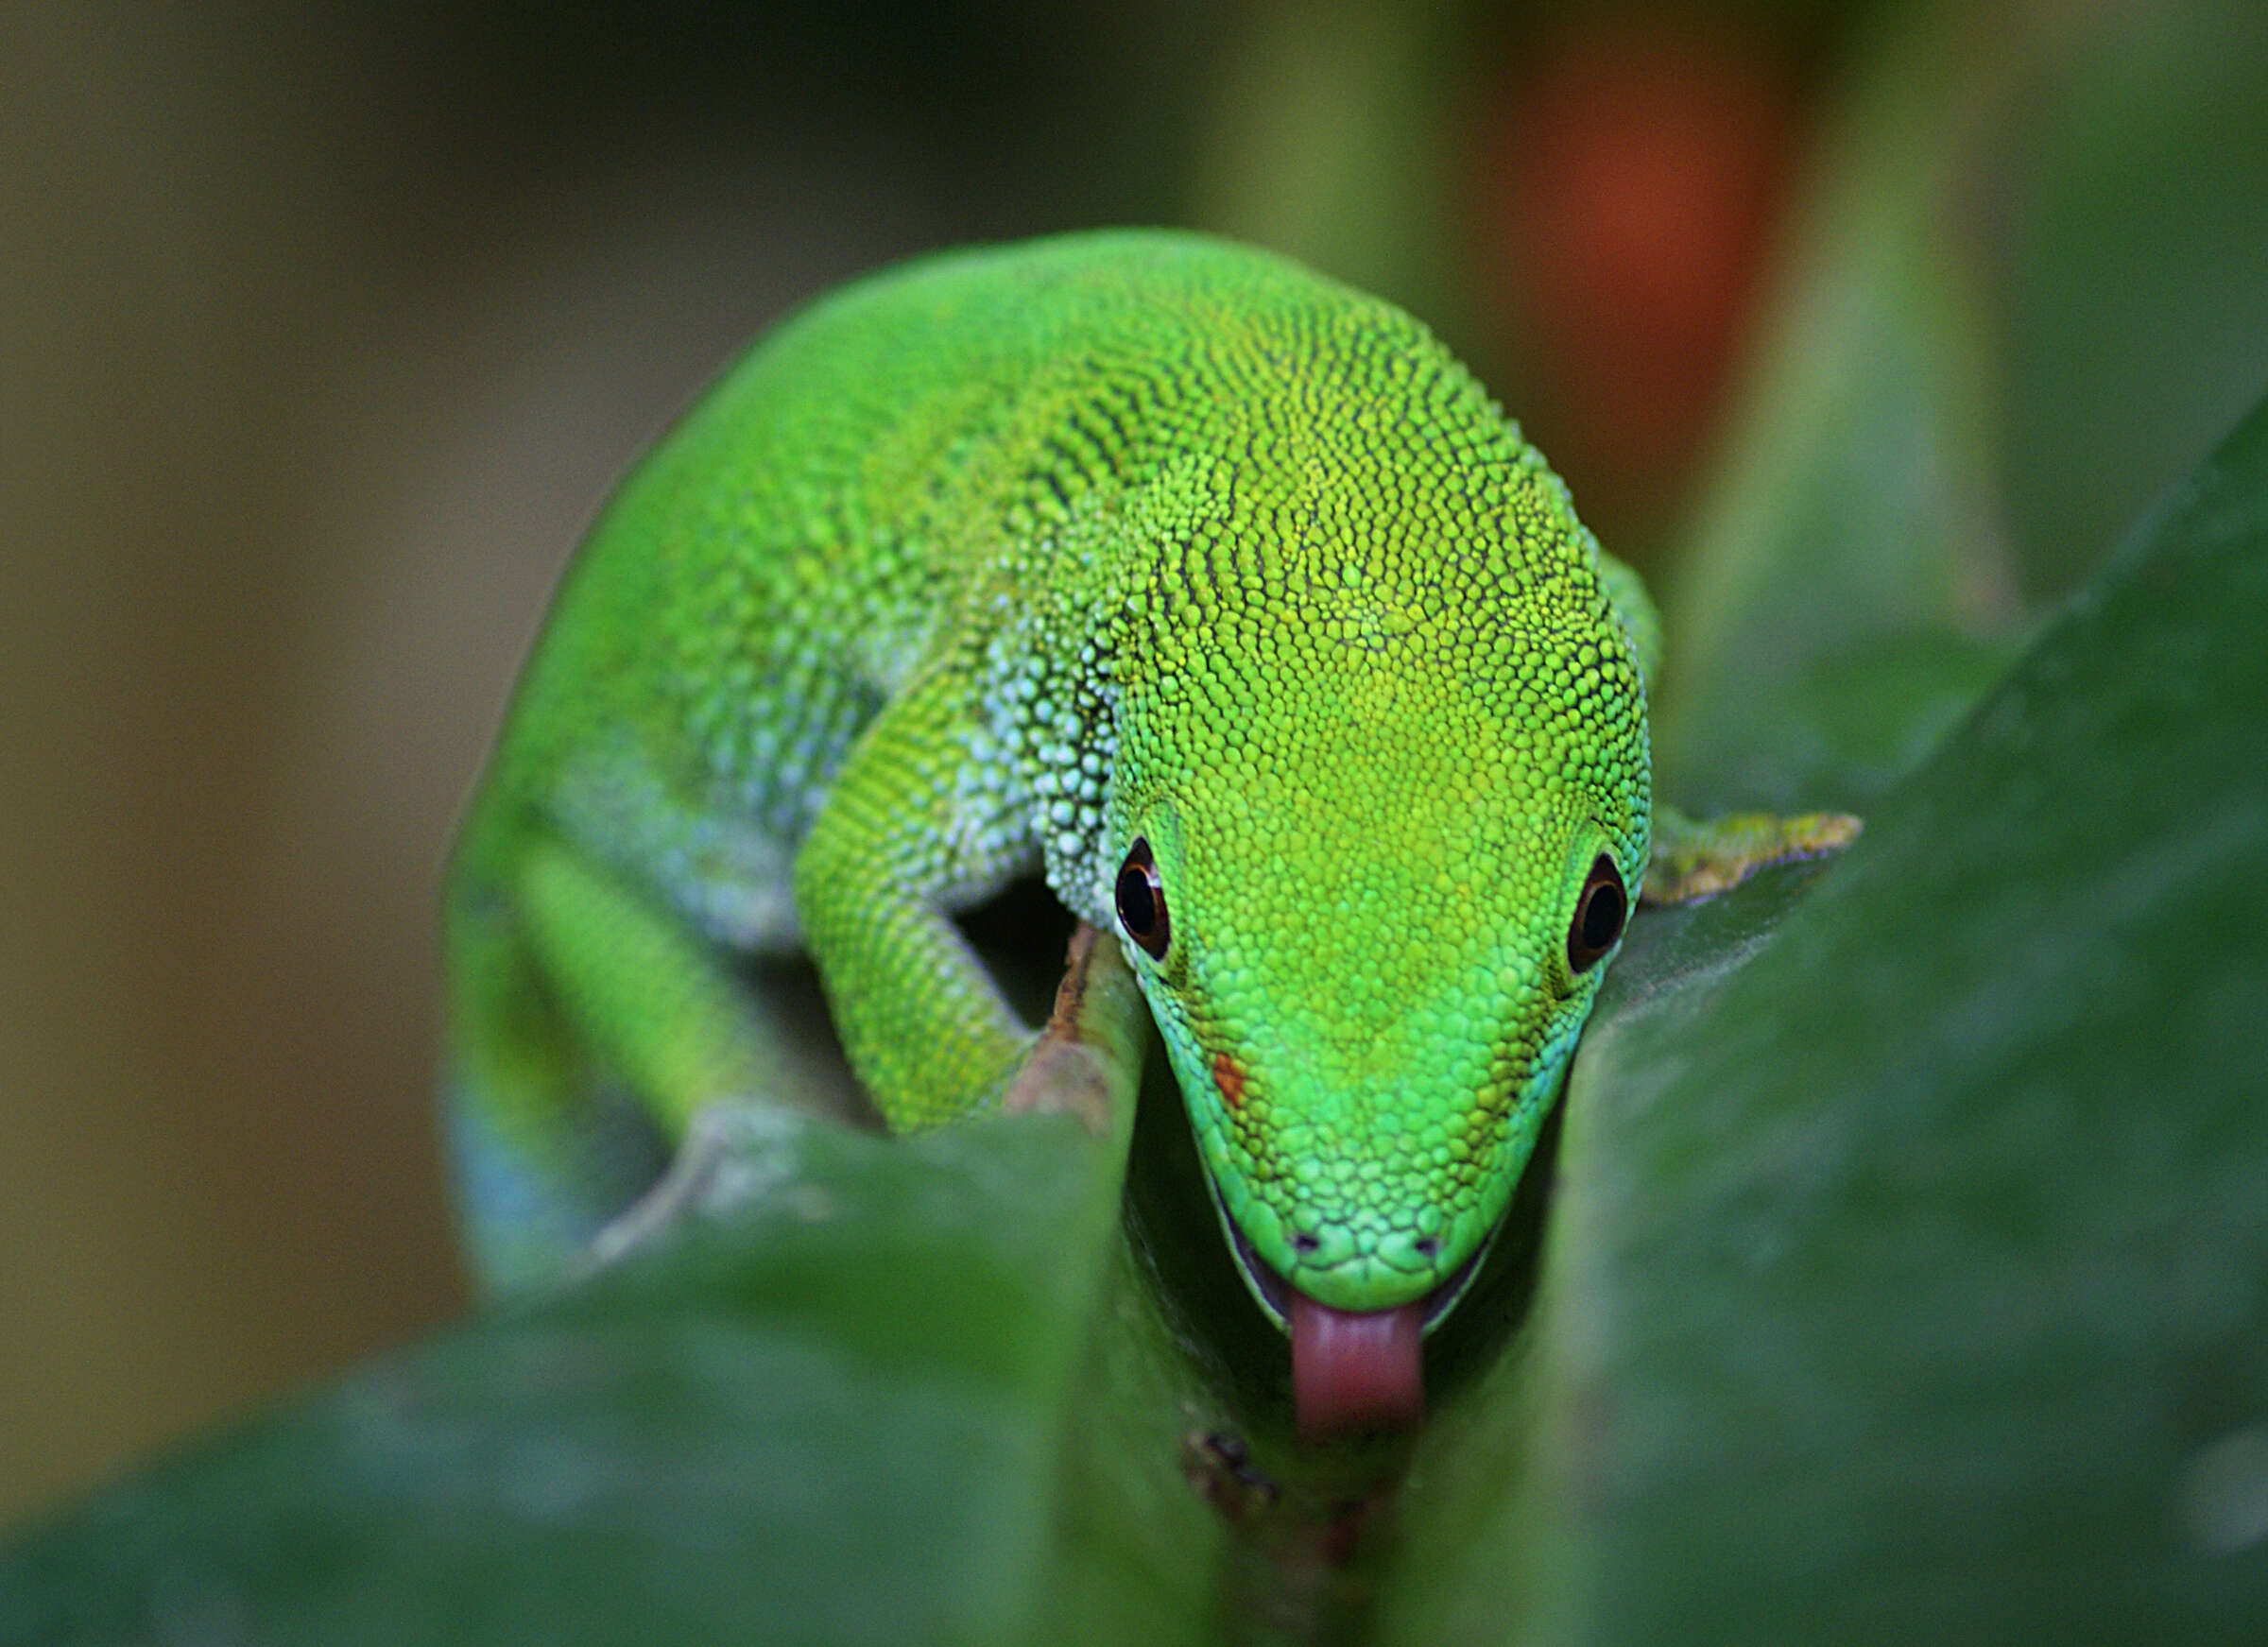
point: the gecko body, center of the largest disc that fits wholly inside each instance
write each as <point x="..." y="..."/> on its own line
<point x="1215" y="590"/>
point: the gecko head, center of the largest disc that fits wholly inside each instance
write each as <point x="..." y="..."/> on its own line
<point x="1370" y="923"/>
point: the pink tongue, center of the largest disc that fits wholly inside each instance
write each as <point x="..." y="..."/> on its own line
<point x="1356" y="1371"/>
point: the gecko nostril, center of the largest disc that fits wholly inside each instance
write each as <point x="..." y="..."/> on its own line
<point x="1427" y="1246"/>
<point x="1306" y="1244"/>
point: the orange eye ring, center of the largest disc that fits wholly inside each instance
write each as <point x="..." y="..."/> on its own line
<point x="1142" y="900"/>
<point x="1600" y="914"/>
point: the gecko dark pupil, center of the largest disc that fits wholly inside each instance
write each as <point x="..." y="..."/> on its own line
<point x="1599" y="915"/>
<point x="1142" y="900"/>
<point x="1603" y="916"/>
<point x="1136" y="907"/>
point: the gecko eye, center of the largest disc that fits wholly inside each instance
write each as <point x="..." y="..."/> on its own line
<point x="1142" y="900"/>
<point x="1599" y="915"/>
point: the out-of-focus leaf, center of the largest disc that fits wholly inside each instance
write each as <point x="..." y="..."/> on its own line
<point x="1909" y="1281"/>
<point x="1842" y="592"/>
<point x="2137" y="291"/>
<point x="1328" y="140"/>
<point x="830" y="1403"/>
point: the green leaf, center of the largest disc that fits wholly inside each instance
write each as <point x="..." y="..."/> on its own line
<point x="2137" y="332"/>
<point x="824" y="1400"/>
<point x="1842" y="594"/>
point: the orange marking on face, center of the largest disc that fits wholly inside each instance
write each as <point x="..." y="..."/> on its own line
<point x="1230" y="1077"/>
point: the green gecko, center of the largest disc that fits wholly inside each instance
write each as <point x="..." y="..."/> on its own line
<point x="1216" y="591"/>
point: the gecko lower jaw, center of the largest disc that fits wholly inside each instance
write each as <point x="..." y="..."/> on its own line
<point x="1272" y="1293"/>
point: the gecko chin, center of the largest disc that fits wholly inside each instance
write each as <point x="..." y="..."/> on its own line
<point x="1352" y="1370"/>
<point x="1275" y="1296"/>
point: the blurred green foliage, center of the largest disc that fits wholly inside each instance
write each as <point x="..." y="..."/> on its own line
<point x="2136" y="278"/>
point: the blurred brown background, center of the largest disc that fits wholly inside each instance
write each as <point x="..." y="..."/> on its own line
<point x="323" y="329"/>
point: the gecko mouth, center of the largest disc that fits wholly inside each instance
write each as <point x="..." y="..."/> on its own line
<point x="1275" y="1296"/>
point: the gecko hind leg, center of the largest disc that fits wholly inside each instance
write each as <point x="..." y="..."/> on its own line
<point x="590" y="1026"/>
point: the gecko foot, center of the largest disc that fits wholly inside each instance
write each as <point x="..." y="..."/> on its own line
<point x="1698" y="860"/>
